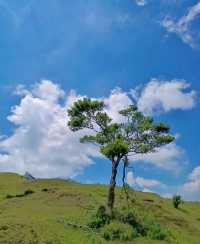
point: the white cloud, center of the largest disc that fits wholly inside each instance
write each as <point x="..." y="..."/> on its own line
<point x="141" y="182"/>
<point x="117" y="101"/>
<point x="182" y="27"/>
<point x="165" y="96"/>
<point x="141" y="2"/>
<point x="191" y="189"/>
<point x="41" y="143"/>
<point x="145" y="185"/>
<point x="167" y="157"/>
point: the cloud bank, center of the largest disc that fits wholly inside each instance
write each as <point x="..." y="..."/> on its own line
<point x="42" y="144"/>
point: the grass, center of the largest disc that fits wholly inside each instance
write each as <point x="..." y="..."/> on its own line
<point x="51" y="215"/>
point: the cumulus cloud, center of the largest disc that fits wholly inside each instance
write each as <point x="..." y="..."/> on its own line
<point x="167" y="157"/>
<point x="182" y="27"/>
<point x="163" y="96"/>
<point x="146" y="185"/>
<point x="140" y="181"/>
<point x="117" y="101"/>
<point x="41" y="142"/>
<point x="141" y="2"/>
<point x="191" y="189"/>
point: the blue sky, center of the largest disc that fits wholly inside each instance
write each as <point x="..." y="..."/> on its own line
<point x="93" y="47"/>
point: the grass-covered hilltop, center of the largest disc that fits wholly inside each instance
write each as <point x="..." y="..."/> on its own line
<point x="63" y="212"/>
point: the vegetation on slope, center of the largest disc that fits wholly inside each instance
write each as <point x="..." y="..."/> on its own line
<point x="58" y="212"/>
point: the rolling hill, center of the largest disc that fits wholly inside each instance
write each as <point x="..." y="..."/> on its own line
<point x="56" y="211"/>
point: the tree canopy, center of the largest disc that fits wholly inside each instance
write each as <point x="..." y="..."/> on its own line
<point x="135" y="134"/>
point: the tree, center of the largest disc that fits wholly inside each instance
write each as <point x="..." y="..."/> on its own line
<point x="176" y="200"/>
<point x="137" y="134"/>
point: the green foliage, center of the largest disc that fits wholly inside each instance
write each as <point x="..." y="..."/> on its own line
<point x="26" y="192"/>
<point x="100" y="219"/>
<point x="9" y="196"/>
<point x="137" y="134"/>
<point x="155" y="232"/>
<point x="117" y="141"/>
<point x="119" y="231"/>
<point x="176" y="201"/>
<point x="45" y="190"/>
<point x="117" y="147"/>
<point x="131" y="219"/>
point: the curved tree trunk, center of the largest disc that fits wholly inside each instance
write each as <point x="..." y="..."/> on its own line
<point x="111" y="193"/>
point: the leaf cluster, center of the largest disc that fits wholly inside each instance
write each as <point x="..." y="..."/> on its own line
<point x="136" y="133"/>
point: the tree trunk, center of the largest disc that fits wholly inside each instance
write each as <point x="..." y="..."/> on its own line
<point x="111" y="193"/>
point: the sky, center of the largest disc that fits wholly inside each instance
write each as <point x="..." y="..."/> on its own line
<point x="55" y="52"/>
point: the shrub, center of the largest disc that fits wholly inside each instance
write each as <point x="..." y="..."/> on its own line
<point x="176" y="200"/>
<point x="155" y="232"/>
<point x="119" y="231"/>
<point x="9" y="196"/>
<point x="44" y="189"/>
<point x="28" y="192"/>
<point x="131" y="219"/>
<point x="19" y="195"/>
<point x="100" y="219"/>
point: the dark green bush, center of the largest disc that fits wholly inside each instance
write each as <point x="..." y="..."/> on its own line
<point x="176" y="200"/>
<point x="9" y="196"/>
<point x="28" y="192"/>
<point x="44" y="189"/>
<point x="131" y="219"/>
<point x="100" y="219"/>
<point x="119" y="231"/>
<point x="155" y="232"/>
<point x="19" y="195"/>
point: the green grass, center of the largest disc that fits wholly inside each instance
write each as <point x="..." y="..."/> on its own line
<point x="44" y="216"/>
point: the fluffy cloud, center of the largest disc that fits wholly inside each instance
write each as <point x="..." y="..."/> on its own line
<point x="42" y="144"/>
<point x="146" y="185"/>
<point x="117" y="101"/>
<point x="182" y="27"/>
<point x="165" y="96"/>
<point x="141" y="2"/>
<point x="168" y="157"/>
<point x="191" y="189"/>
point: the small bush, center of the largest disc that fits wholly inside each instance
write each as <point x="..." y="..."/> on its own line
<point x="131" y="219"/>
<point x="28" y="192"/>
<point x="44" y="189"/>
<point x="176" y="200"/>
<point x="8" y="196"/>
<point x="119" y="231"/>
<point x="155" y="232"/>
<point x="100" y="219"/>
<point x="19" y="195"/>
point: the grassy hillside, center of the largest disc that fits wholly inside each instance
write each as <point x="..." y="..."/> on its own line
<point x="45" y="216"/>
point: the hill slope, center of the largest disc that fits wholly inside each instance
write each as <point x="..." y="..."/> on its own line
<point x="44" y="216"/>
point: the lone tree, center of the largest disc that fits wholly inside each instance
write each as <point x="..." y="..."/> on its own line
<point x="137" y="134"/>
<point x="176" y="200"/>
